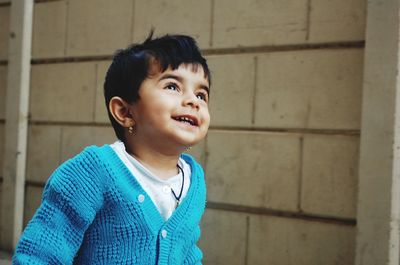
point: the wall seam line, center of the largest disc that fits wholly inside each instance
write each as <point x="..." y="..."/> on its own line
<point x="133" y="20"/>
<point x="218" y="51"/>
<point x="301" y="157"/>
<point x="66" y="35"/>
<point x="96" y="68"/>
<point x="308" y="20"/>
<point x="264" y="211"/>
<point x="254" y="97"/>
<point x="247" y="247"/>
<point x="212" y="11"/>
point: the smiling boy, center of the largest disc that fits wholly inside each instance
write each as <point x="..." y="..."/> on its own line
<point x="138" y="200"/>
<point x="171" y="115"/>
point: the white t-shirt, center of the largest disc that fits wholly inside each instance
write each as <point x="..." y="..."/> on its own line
<point x="158" y="189"/>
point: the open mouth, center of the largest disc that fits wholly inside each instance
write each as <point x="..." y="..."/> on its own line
<point x="187" y="119"/>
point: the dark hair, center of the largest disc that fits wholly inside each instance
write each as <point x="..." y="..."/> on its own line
<point x="130" y="67"/>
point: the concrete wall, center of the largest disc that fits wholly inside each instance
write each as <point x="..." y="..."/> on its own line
<point x="4" y="27"/>
<point x="281" y="155"/>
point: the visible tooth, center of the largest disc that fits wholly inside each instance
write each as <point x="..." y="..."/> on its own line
<point x="186" y="119"/>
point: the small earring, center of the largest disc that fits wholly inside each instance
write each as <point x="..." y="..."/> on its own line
<point x="188" y="148"/>
<point x="130" y="130"/>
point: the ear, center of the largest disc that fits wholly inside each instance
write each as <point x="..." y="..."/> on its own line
<point x="119" y="109"/>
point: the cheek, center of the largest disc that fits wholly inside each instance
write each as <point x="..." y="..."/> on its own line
<point x="206" y="117"/>
<point x="158" y="107"/>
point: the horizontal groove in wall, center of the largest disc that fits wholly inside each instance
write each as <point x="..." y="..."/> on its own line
<point x="35" y="184"/>
<point x="289" y="130"/>
<point x="220" y="128"/>
<point x="282" y="48"/>
<point x="280" y="213"/>
<point x="221" y="51"/>
<point x="45" y="1"/>
<point x="2" y="62"/>
<point x="72" y="59"/>
<point x="5" y="4"/>
<point x="70" y="123"/>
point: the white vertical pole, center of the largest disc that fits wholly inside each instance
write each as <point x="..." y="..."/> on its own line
<point x="378" y="214"/>
<point x="16" y="126"/>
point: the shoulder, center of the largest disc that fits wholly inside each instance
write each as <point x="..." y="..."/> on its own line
<point x="85" y="169"/>
<point x="91" y="156"/>
<point x="80" y="183"/>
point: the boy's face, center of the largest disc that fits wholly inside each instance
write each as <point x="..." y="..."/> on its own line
<point x="172" y="110"/>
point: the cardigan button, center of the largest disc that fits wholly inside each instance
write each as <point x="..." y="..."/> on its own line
<point x="141" y="198"/>
<point x="164" y="233"/>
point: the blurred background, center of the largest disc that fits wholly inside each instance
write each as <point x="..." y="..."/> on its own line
<point x="282" y="158"/>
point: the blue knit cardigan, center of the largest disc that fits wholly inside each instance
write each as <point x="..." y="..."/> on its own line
<point x="93" y="211"/>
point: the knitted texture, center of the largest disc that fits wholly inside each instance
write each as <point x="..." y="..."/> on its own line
<point x="93" y="211"/>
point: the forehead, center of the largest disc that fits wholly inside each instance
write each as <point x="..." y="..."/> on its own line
<point x="187" y="69"/>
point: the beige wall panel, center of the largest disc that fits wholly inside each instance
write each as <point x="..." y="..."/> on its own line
<point x="232" y="90"/>
<point x="76" y="138"/>
<point x="310" y="89"/>
<point x="282" y="241"/>
<point x="2" y="135"/>
<point x="107" y="28"/>
<point x="100" y="114"/>
<point x="255" y="23"/>
<point x="329" y="180"/>
<point x="44" y="152"/>
<point x="223" y="238"/>
<point x="49" y="29"/>
<point x="4" y="31"/>
<point x="189" y="17"/>
<point x="3" y="89"/>
<point x="33" y="197"/>
<point x="339" y="20"/>
<point x="63" y="92"/>
<point x="254" y="169"/>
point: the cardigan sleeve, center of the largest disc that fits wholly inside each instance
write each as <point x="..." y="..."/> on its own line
<point x="70" y="201"/>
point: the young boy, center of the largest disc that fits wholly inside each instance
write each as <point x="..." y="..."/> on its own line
<point x="139" y="200"/>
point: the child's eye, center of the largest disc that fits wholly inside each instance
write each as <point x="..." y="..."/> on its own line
<point x="202" y="96"/>
<point x="172" y="87"/>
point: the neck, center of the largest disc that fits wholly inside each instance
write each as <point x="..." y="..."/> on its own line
<point x="161" y="164"/>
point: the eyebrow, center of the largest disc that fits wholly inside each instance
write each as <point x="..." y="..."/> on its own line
<point x="180" y="79"/>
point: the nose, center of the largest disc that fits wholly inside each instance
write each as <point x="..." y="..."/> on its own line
<point x="191" y="100"/>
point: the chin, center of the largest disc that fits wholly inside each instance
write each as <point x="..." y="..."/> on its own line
<point x="182" y="140"/>
<point x="188" y="138"/>
<point x="184" y="144"/>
